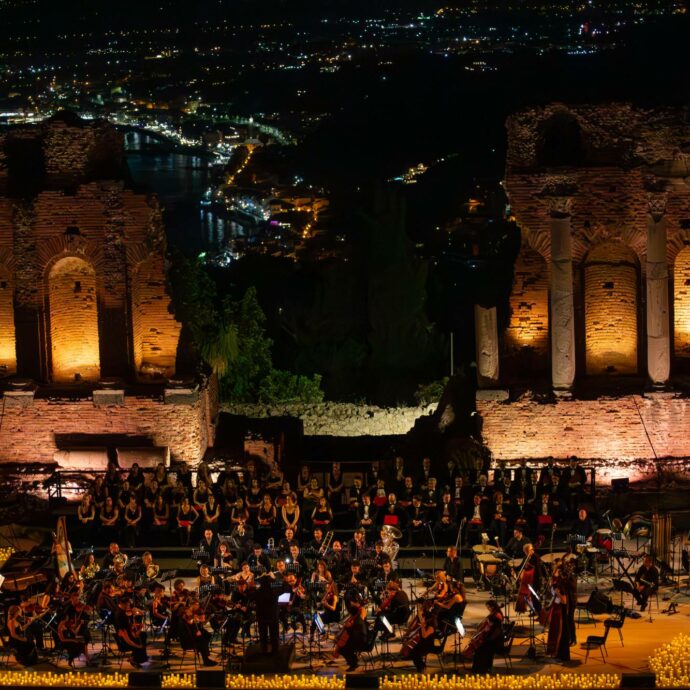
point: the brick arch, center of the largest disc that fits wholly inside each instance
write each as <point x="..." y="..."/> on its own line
<point x="71" y="288"/>
<point x="8" y="345"/>
<point x="611" y="296"/>
<point x="528" y="329"/>
<point x="58" y="247"/>
<point x="681" y="303"/>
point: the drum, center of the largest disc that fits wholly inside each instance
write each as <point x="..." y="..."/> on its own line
<point x="603" y="539"/>
<point x="483" y="548"/>
<point x="489" y="564"/>
<point x="515" y="563"/>
<point x="550" y="558"/>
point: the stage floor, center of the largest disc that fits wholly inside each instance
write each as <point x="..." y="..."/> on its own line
<point x="640" y="638"/>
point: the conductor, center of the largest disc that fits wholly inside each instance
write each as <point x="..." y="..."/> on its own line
<point x="266" y="602"/>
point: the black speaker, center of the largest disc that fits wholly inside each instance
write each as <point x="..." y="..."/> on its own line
<point x="638" y="680"/>
<point x="210" y="679"/>
<point x="255" y="661"/>
<point x="361" y="680"/>
<point x="139" y="679"/>
<point x="620" y="486"/>
<point x="599" y="602"/>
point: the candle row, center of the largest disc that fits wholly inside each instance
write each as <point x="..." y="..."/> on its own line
<point x="557" y="681"/>
<point x="671" y="663"/>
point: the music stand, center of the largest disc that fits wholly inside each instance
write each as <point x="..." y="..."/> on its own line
<point x="386" y="656"/>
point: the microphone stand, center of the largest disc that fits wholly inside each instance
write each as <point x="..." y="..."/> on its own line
<point x="433" y="554"/>
<point x="458" y="546"/>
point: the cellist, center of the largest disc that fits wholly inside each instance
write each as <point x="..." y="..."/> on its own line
<point x="530" y="576"/>
<point x="352" y="637"/>
<point x="487" y="641"/>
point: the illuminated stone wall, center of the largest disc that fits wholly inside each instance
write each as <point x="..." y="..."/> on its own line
<point x="154" y="329"/>
<point x="624" y="436"/>
<point x="73" y="304"/>
<point x="8" y="353"/>
<point x="527" y="335"/>
<point x="610" y="276"/>
<point x="681" y="303"/>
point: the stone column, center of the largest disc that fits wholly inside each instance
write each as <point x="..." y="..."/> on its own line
<point x="486" y="342"/>
<point x="658" y="325"/>
<point x="562" y="306"/>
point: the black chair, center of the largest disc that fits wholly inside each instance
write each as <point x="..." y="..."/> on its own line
<point x="617" y="622"/>
<point x="439" y="649"/>
<point x="195" y="654"/>
<point x="597" y="642"/>
<point x="367" y="652"/>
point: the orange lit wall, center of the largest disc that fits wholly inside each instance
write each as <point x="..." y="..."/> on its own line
<point x="8" y="353"/>
<point x="155" y="331"/>
<point x="610" y="278"/>
<point x="529" y="305"/>
<point x="681" y="303"/>
<point x="73" y="320"/>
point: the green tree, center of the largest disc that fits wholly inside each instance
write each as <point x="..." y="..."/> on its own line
<point x="405" y="347"/>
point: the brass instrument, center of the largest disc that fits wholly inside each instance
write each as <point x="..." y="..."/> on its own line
<point x="326" y="543"/>
<point x="389" y="534"/>
<point x="120" y="559"/>
<point x="271" y="545"/>
<point x="152" y="571"/>
<point x="91" y="570"/>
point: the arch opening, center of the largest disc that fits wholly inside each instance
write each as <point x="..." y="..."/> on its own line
<point x="8" y="346"/>
<point x="73" y="303"/>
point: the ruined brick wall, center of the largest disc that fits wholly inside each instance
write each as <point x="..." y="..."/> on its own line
<point x="28" y="433"/>
<point x="681" y="303"/>
<point x="527" y="335"/>
<point x="622" y="436"/>
<point x="611" y="290"/>
<point x="73" y="321"/>
<point x="116" y="231"/>
<point x="154" y="329"/>
<point x="8" y="352"/>
<point x="613" y="155"/>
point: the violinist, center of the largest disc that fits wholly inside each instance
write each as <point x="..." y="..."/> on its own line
<point x="352" y="637"/>
<point x="294" y="613"/>
<point x="395" y="606"/>
<point x="178" y="600"/>
<point x="24" y="647"/>
<point x="79" y="613"/>
<point x="488" y="639"/>
<point x="193" y="635"/>
<point x="129" y="631"/>
<point x="328" y="606"/>
<point x="439" y="589"/>
<point x="31" y="613"/>
<point x="239" y="613"/>
<point x="106" y="603"/>
<point x="71" y="638"/>
<point x="159" y="607"/>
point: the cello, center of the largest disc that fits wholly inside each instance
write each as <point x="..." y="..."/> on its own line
<point x="343" y="635"/>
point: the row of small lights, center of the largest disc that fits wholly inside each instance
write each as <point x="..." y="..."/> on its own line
<point x="671" y="663"/>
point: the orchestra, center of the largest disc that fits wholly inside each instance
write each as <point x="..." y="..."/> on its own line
<point x="260" y="583"/>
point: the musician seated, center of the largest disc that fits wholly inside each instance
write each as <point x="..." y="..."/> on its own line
<point x="148" y="567"/>
<point x="106" y="603"/>
<point x="453" y="565"/>
<point x="451" y="607"/>
<point x="129" y="633"/>
<point x="425" y="643"/>
<point x="113" y="556"/>
<point x="32" y="609"/>
<point x="387" y="573"/>
<point x="488" y="640"/>
<point x="193" y="635"/>
<point x="239" y="614"/>
<point x="158" y="609"/>
<point x="224" y="557"/>
<point x="336" y="560"/>
<point x="646" y="581"/>
<point x="258" y="561"/>
<point x="293" y="614"/>
<point x="71" y="638"/>
<point x="353" y="637"/>
<point x="313" y="547"/>
<point x="24" y="648"/>
<point x="283" y="547"/>
<point x="329" y="605"/>
<point x="297" y="561"/>
<point x="356" y="547"/>
<point x="244" y="574"/>
<point x="204" y="578"/>
<point x="395" y="606"/>
<point x="583" y="526"/>
<point x="516" y="544"/>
